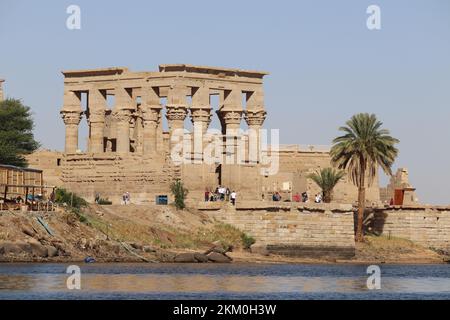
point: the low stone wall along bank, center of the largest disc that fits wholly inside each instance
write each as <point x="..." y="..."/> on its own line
<point x="424" y="225"/>
<point x="312" y="231"/>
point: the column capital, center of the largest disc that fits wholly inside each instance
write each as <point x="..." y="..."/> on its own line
<point x="71" y="117"/>
<point x="122" y="115"/>
<point x="96" y="116"/>
<point x="231" y="117"/>
<point x="255" y="117"/>
<point x="201" y="113"/>
<point x="151" y="113"/>
<point x="176" y="112"/>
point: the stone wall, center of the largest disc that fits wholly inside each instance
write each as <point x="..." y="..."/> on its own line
<point x="111" y="174"/>
<point x="295" y="166"/>
<point x="425" y="225"/>
<point x="50" y="163"/>
<point x="314" y="230"/>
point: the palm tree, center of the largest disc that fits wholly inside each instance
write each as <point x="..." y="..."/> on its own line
<point x="361" y="150"/>
<point x="326" y="179"/>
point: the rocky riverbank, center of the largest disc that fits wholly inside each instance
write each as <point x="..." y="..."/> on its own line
<point x="161" y="234"/>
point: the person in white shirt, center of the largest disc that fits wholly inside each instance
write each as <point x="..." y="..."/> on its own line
<point x="233" y="198"/>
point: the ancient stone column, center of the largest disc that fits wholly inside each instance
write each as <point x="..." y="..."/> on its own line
<point x="150" y="118"/>
<point x="96" y="119"/>
<point x="176" y="111"/>
<point x="201" y="118"/>
<point x="71" y="114"/>
<point x="230" y="116"/>
<point x="122" y="117"/>
<point x="255" y="120"/>
<point x="151" y="109"/>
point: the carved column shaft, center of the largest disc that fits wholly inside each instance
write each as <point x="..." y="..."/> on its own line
<point x="122" y="119"/>
<point x="150" y="120"/>
<point x="201" y="118"/>
<point x="176" y="111"/>
<point x="71" y="121"/>
<point x="96" y="119"/>
<point x="255" y="120"/>
<point x="71" y="114"/>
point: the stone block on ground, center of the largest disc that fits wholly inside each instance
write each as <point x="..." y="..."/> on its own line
<point x="219" y="258"/>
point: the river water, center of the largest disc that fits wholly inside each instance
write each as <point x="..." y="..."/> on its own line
<point x="216" y="281"/>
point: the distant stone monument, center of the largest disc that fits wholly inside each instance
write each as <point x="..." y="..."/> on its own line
<point x="1" y="89"/>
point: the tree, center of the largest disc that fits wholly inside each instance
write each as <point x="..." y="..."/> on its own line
<point x="16" y="135"/>
<point x="326" y="179"/>
<point x="361" y="150"/>
<point x="180" y="193"/>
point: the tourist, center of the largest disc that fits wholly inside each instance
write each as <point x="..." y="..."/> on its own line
<point x="296" y="197"/>
<point x="206" y="195"/>
<point x="276" y="196"/>
<point x="318" y="198"/>
<point x="305" y="197"/>
<point x="233" y="198"/>
<point x="128" y="198"/>
<point x="227" y="194"/>
<point x="97" y="198"/>
<point x="222" y="191"/>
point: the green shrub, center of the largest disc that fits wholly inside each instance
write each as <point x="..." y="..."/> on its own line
<point x="106" y="201"/>
<point x="69" y="198"/>
<point x="180" y="193"/>
<point x="247" y="241"/>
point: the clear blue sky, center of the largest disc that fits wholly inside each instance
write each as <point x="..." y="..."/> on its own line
<point x="324" y="64"/>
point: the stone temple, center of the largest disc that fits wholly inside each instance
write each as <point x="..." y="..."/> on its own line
<point x="130" y="150"/>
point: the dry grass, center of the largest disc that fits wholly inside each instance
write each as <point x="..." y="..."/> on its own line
<point x="164" y="236"/>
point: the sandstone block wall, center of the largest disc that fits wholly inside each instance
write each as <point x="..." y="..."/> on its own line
<point x="314" y="230"/>
<point x="50" y="163"/>
<point x="295" y="166"/>
<point x="111" y="174"/>
<point x="427" y="226"/>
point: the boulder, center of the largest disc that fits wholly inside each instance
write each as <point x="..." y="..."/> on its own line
<point x="51" y="251"/>
<point x="219" y="248"/>
<point x="218" y="257"/>
<point x="24" y="246"/>
<point x="9" y="248"/>
<point x="28" y="231"/>
<point x="259" y="249"/>
<point x="188" y="257"/>
<point x="136" y="246"/>
<point x="200" y="257"/>
<point x="39" y="250"/>
<point x="148" y="249"/>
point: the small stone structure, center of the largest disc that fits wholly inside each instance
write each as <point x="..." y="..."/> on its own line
<point x="399" y="183"/>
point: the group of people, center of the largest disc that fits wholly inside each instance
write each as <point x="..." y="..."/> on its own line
<point x="276" y="196"/>
<point x="221" y="193"/>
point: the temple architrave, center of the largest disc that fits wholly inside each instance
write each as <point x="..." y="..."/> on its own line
<point x="131" y="148"/>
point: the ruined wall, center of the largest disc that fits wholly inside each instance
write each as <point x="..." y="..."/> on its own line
<point x="314" y="230"/>
<point x="111" y="174"/>
<point x="50" y="164"/>
<point x="296" y="165"/>
<point x="427" y="226"/>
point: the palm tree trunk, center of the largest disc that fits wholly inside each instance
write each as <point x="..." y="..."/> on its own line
<point x="361" y="209"/>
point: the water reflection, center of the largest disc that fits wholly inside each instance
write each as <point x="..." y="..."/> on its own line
<point x="106" y="280"/>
